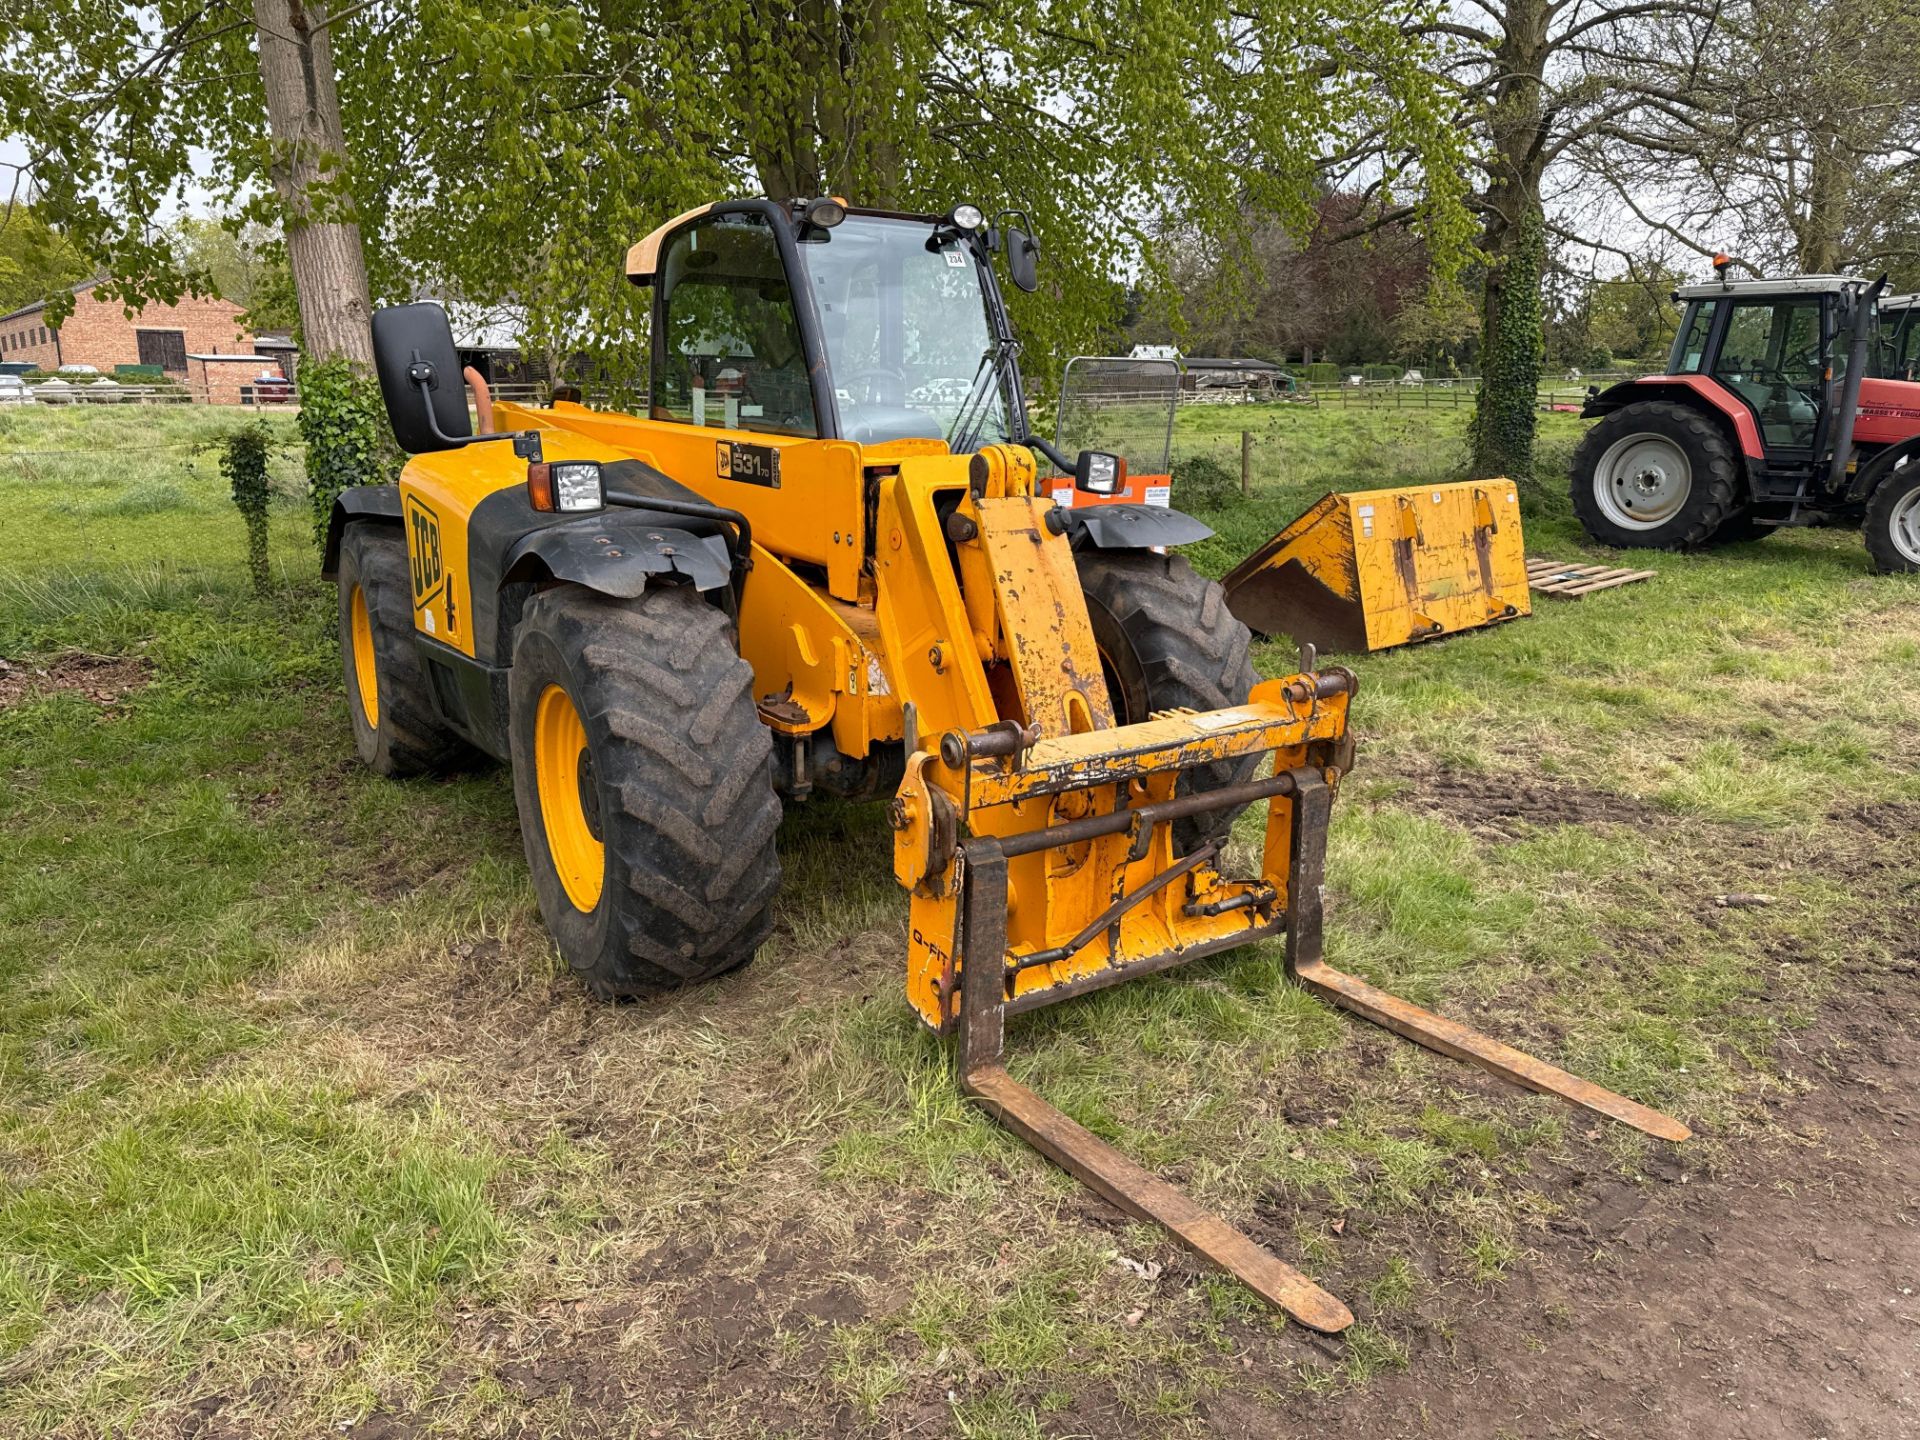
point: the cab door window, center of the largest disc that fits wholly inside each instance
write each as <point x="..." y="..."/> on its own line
<point x="1773" y="358"/>
<point x="1690" y="345"/>
<point x="729" y="355"/>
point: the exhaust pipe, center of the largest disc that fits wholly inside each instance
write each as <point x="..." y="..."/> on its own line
<point x="1850" y="388"/>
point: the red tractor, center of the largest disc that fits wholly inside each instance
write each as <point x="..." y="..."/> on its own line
<point x="1785" y="402"/>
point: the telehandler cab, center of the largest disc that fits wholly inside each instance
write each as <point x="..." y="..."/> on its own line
<point x="822" y="562"/>
<point x="1785" y="402"/>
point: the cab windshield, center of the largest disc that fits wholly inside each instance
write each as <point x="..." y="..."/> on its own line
<point x="905" y="329"/>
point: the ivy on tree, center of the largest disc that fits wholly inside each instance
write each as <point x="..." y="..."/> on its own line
<point x="344" y="424"/>
<point x="1507" y="413"/>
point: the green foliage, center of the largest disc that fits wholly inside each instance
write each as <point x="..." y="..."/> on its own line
<point x="243" y="461"/>
<point x="241" y="261"/>
<point x="1200" y="481"/>
<point x="1321" y="372"/>
<point x="1097" y="123"/>
<point x="1507" y="413"/>
<point x="36" y="261"/>
<point x="345" y="427"/>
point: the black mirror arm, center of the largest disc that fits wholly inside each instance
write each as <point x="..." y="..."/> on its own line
<point x="526" y="443"/>
<point x="1047" y="448"/>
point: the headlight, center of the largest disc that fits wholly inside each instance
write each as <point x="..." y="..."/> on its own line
<point x="1100" y="473"/>
<point x="966" y="217"/>
<point x="568" y="486"/>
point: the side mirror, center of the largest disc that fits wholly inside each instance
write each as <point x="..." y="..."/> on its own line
<point x="420" y="378"/>
<point x="1023" y="259"/>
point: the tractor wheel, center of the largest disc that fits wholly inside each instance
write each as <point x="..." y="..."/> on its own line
<point x="1167" y="641"/>
<point x="396" y="727"/>
<point x="644" y="779"/>
<point x="1657" y="476"/>
<point x="1891" y="526"/>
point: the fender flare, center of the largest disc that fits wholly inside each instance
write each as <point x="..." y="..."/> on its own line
<point x="1869" y="476"/>
<point x="356" y="502"/>
<point x="619" y="553"/>
<point x="1128" y="527"/>
<point x="1702" y="392"/>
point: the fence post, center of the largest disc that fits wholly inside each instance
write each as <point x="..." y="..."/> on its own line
<point x="1246" y="463"/>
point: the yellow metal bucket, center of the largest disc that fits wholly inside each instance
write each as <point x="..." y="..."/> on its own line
<point x="1378" y="568"/>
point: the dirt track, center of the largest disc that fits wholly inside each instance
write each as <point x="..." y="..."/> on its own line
<point x="1780" y="1299"/>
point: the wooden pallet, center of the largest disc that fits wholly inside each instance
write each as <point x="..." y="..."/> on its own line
<point x="1552" y="577"/>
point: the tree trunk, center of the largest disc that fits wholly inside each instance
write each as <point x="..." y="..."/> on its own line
<point x="308" y="168"/>
<point x="1513" y="240"/>
<point x="1822" y="229"/>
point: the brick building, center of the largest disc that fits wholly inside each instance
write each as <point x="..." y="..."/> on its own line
<point x="100" y="334"/>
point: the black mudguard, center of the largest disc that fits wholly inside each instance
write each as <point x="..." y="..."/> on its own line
<point x="1130" y="527"/>
<point x="1868" y="477"/>
<point x="1616" y="396"/>
<point x="357" y="502"/>
<point x="619" y="553"/>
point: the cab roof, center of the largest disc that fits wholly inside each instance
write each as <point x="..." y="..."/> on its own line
<point x="643" y="257"/>
<point x="1789" y="285"/>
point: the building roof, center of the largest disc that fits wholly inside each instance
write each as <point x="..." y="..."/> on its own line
<point x="40" y="305"/>
<point x="1227" y="362"/>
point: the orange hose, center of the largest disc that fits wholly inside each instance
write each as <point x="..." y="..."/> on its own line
<point x="482" y="399"/>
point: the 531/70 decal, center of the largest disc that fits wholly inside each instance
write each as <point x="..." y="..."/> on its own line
<point x="749" y="464"/>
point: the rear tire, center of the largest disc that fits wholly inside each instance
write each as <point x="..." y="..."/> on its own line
<point x="396" y="727"/>
<point x="644" y="780"/>
<point x="1167" y="642"/>
<point x="1657" y="476"/>
<point x="1891" y="526"/>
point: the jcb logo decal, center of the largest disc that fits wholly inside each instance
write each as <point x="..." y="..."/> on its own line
<point x="423" y="529"/>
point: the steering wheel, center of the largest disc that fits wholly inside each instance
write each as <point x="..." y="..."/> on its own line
<point x="878" y="372"/>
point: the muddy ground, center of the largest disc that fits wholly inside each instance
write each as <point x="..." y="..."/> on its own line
<point x="1779" y="1300"/>
<point x="1764" y="1283"/>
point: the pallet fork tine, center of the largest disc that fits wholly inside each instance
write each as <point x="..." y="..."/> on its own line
<point x="1312" y="802"/>
<point x="1089" y="1159"/>
<point x="979" y="1055"/>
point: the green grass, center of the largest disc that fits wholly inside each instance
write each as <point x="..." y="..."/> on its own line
<point x="301" y="1120"/>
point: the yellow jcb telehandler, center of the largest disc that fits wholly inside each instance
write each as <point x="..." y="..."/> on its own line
<point x="821" y="562"/>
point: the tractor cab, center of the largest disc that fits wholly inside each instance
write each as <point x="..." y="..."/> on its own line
<point x="1778" y="346"/>
<point x="814" y="320"/>
<point x="1784" y="402"/>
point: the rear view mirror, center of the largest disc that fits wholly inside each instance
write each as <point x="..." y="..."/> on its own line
<point x="1023" y="259"/>
<point x="420" y="378"/>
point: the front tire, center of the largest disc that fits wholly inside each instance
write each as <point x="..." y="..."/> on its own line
<point x="1657" y="476"/>
<point x="1891" y="526"/>
<point x="644" y="781"/>
<point x="1168" y="642"/>
<point x="396" y="727"/>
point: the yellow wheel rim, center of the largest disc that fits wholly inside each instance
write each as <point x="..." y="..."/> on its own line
<point x="569" y="802"/>
<point x="366" y="679"/>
